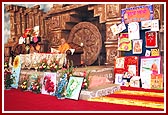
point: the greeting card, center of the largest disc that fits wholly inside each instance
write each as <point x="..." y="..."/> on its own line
<point x="133" y="30"/>
<point x="120" y="62"/>
<point x="155" y="52"/>
<point x="151" y="39"/>
<point x="128" y="64"/>
<point x="135" y="81"/>
<point x="137" y="46"/>
<point x="157" y="81"/>
<point x="121" y="27"/>
<point x="147" y="53"/>
<point x="114" y="29"/>
<point x="124" y="44"/>
<point x="146" y="24"/>
<point x="155" y="25"/>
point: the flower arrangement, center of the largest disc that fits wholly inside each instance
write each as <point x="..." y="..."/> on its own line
<point x="8" y="79"/>
<point x="85" y="83"/>
<point x="43" y="65"/>
<point x="36" y="85"/>
<point x="24" y="85"/>
<point x="69" y="70"/>
<point x="54" y="65"/>
<point x="23" y="82"/>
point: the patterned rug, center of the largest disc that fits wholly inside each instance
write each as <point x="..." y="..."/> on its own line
<point x="134" y="98"/>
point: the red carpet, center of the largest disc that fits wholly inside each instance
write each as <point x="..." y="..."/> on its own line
<point x="16" y="100"/>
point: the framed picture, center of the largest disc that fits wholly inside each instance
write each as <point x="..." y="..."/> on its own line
<point x="151" y="39"/>
<point x="150" y="65"/>
<point x="49" y="83"/>
<point x="133" y="30"/>
<point x="74" y="87"/>
<point x="16" y="69"/>
<point x="137" y="46"/>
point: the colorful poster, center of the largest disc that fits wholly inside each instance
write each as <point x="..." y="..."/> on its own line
<point x="49" y="83"/>
<point x="151" y="39"/>
<point x="16" y="71"/>
<point x="137" y="14"/>
<point x="133" y="30"/>
<point x="149" y="65"/>
<point x="74" y="87"/>
<point x="124" y="44"/>
<point x="137" y="46"/>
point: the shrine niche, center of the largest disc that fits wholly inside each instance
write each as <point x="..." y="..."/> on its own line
<point x="89" y="35"/>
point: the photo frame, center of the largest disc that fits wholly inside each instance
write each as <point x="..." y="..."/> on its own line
<point x="151" y="39"/>
<point x="74" y="87"/>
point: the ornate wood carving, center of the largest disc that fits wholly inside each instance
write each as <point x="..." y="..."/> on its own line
<point x="113" y="10"/>
<point x="89" y="35"/>
<point x="55" y="23"/>
<point x="111" y="54"/>
<point x="100" y="11"/>
<point x="133" y="5"/>
<point x="157" y="11"/>
<point x="109" y="34"/>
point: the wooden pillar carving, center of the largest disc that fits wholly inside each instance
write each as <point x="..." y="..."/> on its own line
<point x="111" y="43"/>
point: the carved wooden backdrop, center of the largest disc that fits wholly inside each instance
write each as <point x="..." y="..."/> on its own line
<point x="89" y="35"/>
